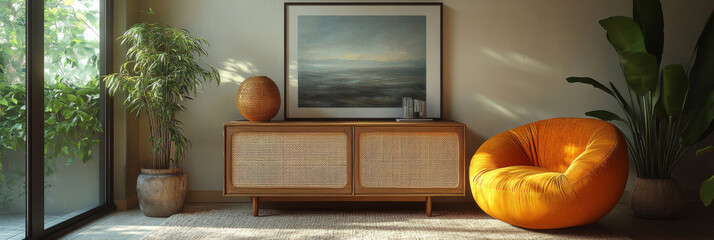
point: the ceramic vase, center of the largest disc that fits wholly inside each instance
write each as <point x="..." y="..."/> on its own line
<point x="162" y="192"/>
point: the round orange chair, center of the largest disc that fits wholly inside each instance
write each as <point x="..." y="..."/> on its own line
<point x="554" y="173"/>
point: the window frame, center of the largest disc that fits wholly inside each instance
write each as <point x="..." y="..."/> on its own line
<point x="35" y="212"/>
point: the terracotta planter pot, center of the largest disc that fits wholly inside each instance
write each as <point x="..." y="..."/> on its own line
<point x="258" y="99"/>
<point x="656" y="198"/>
<point x="161" y="191"/>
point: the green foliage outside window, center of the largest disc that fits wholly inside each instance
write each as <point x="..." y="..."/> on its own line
<point x="71" y="88"/>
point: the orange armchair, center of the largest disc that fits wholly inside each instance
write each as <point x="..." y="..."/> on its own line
<point x="554" y="173"/>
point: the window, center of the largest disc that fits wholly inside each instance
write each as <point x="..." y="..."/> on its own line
<point x="54" y="116"/>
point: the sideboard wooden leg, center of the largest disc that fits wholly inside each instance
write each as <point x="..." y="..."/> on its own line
<point x="255" y="206"/>
<point x="428" y="206"/>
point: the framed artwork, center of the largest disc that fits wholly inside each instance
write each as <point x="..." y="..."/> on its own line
<point x="358" y="60"/>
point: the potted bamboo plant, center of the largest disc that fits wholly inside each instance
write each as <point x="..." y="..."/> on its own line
<point x="666" y="111"/>
<point x="160" y="75"/>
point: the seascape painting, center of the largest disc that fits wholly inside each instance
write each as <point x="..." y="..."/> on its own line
<point x="356" y="61"/>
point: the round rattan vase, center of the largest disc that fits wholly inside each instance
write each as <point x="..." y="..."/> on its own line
<point x="258" y="99"/>
<point x="656" y="198"/>
<point x="161" y="191"/>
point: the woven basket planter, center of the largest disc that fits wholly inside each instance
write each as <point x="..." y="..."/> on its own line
<point x="656" y="198"/>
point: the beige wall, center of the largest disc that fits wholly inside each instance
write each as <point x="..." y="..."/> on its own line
<point x="126" y="147"/>
<point x="505" y="64"/>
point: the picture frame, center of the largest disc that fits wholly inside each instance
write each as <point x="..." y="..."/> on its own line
<point x="359" y="60"/>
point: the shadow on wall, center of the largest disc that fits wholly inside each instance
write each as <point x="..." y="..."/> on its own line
<point x="500" y="110"/>
<point x="203" y="122"/>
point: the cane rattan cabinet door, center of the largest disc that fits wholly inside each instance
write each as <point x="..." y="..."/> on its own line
<point x="409" y="160"/>
<point x="269" y="160"/>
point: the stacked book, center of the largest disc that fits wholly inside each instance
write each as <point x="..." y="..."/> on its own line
<point x="413" y="109"/>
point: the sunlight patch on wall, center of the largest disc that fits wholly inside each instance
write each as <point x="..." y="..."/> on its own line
<point x="236" y="70"/>
<point x="496" y="107"/>
<point x="508" y="110"/>
<point x="293" y="79"/>
<point x="517" y="60"/>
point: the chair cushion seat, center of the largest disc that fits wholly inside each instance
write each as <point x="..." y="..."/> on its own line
<point x="527" y="196"/>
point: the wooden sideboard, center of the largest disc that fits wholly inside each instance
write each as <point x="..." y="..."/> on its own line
<point x="343" y="161"/>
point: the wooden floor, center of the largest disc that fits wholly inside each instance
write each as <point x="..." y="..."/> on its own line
<point x="696" y="223"/>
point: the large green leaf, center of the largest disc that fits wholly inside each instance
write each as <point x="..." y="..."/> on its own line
<point x="702" y="72"/>
<point x="605" y="115"/>
<point x="674" y="89"/>
<point x="624" y="34"/>
<point x="648" y="14"/>
<point x="640" y="70"/>
<point x="699" y="125"/>
<point x="706" y="191"/>
<point x="591" y="82"/>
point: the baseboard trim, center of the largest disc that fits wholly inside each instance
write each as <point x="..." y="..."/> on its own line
<point x="121" y="205"/>
<point x="212" y="197"/>
<point x="126" y="204"/>
<point x="132" y="202"/>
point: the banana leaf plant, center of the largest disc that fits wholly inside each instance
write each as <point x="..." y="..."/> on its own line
<point x="666" y="111"/>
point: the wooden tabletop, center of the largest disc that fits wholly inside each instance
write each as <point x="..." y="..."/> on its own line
<point x="387" y="123"/>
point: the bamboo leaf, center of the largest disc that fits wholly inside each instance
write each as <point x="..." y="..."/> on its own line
<point x="706" y="191"/>
<point x="674" y="89"/>
<point x="160" y="74"/>
<point x="648" y="14"/>
<point x="605" y="115"/>
<point x="591" y="82"/>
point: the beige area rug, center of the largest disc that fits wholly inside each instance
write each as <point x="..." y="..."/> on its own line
<point x="237" y="222"/>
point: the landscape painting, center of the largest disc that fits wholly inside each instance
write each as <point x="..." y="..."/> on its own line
<point x="360" y="61"/>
